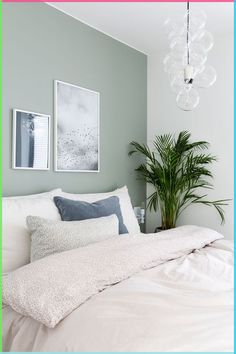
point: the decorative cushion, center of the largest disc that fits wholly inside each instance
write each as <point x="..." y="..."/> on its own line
<point x="71" y="210"/>
<point x="127" y="211"/>
<point x="49" y="237"/>
<point x="15" y="236"/>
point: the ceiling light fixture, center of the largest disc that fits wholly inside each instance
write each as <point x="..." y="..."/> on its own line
<point x="186" y="63"/>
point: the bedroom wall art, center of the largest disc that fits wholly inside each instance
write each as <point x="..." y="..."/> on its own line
<point x="76" y="128"/>
<point x="31" y="140"/>
<point x="80" y="55"/>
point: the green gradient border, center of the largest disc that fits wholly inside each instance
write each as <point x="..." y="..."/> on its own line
<point x="1" y="171"/>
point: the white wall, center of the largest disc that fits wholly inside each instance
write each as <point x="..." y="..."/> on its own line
<point x="212" y="121"/>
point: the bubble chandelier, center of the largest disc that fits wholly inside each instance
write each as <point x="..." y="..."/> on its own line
<point x="185" y="64"/>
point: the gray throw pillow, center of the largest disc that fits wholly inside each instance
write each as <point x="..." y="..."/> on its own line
<point x="71" y="210"/>
<point x="49" y="236"/>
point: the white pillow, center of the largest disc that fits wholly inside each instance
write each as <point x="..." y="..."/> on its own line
<point x="49" y="236"/>
<point x="127" y="211"/>
<point x="15" y="236"/>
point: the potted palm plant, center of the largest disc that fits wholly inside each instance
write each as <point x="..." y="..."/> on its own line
<point x="178" y="171"/>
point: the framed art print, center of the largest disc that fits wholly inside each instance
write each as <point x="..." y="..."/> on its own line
<point x="31" y="140"/>
<point x="76" y="128"/>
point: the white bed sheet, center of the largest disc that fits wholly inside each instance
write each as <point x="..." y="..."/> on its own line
<point x="182" y="305"/>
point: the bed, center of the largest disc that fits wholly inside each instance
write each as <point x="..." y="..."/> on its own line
<point x="171" y="292"/>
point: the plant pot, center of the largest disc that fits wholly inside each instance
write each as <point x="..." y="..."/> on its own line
<point x="158" y="229"/>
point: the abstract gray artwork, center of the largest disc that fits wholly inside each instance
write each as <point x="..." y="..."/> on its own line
<point x="76" y="128"/>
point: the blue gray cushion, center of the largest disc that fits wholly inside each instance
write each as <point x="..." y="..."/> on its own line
<point x="72" y="210"/>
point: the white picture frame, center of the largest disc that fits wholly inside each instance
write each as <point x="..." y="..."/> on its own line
<point x="68" y="121"/>
<point x="34" y="152"/>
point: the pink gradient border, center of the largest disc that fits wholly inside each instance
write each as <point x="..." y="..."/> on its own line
<point x="118" y="1"/>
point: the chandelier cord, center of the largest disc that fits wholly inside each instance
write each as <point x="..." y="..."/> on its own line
<point x="188" y="32"/>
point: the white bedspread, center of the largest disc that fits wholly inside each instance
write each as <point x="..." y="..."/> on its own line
<point x="183" y="304"/>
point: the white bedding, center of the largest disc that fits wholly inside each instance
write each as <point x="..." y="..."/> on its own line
<point x="184" y="304"/>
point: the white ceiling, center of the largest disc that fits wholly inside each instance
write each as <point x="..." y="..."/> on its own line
<point x="140" y="24"/>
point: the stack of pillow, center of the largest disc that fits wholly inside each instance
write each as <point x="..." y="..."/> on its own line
<point x="62" y="221"/>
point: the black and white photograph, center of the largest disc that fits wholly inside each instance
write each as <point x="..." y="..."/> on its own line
<point x="76" y="128"/>
<point x="31" y="140"/>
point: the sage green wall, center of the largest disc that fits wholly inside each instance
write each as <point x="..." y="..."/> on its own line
<point x="41" y="44"/>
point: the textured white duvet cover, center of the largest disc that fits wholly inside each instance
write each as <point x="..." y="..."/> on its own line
<point x="183" y="304"/>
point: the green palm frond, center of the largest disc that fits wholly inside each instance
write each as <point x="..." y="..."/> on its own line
<point x="178" y="170"/>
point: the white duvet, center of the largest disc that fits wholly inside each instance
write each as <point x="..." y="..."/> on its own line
<point x="167" y="297"/>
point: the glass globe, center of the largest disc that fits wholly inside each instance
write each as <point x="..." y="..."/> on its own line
<point x="198" y="69"/>
<point x="197" y="20"/>
<point x="173" y="29"/>
<point x="188" y="98"/>
<point x="196" y="47"/>
<point x="181" y="40"/>
<point x="179" y="45"/>
<point x="178" y="42"/>
<point x="178" y="30"/>
<point x="193" y="34"/>
<point x="206" y="78"/>
<point x="174" y="70"/>
<point x="177" y="81"/>
<point x="186" y="62"/>
<point x="206" y="40"/>
<point x="170" y="26"/>
<point x="172" y="64"/>
<point x="177" y="54"/>
<point x="197" y="54"/>
<point x="196" y="59"/>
